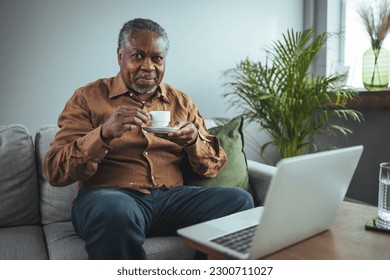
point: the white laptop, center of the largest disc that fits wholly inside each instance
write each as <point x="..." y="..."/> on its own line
<point x="303" y="199"/>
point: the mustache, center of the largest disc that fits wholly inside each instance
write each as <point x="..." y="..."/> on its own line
<point x="146" y="76"/>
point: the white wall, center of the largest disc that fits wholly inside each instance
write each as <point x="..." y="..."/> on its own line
<point x="48" y="48"/>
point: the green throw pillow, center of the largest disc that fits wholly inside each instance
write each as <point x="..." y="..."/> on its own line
<point x="235" y="172"/>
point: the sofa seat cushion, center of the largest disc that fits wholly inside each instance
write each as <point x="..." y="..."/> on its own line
<point x="22" y="243"/>
<point x="19" y="203"/>
<point x="168" y="248"/>
<point x="64" y="244"/>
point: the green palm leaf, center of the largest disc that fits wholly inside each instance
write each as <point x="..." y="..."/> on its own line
<point x="285" y="97"/>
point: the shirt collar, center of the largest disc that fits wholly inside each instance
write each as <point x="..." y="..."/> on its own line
<point x="118" y="87"/>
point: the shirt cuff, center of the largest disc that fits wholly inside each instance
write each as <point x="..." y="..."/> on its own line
<point x="202" y="146"/>
<point x="93" y="146"/>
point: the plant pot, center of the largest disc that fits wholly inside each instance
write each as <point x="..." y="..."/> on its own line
<point x="376" y="64"/>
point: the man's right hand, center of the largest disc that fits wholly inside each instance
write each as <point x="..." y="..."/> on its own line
<point x="123" y="119"/>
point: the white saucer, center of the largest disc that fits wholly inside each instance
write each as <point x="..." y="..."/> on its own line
<point x="160" y="129"/>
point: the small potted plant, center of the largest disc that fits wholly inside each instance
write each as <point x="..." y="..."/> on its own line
<point x="285" y="97"/>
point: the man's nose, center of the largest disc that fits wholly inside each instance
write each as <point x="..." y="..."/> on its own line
<point x="147" y="64"/>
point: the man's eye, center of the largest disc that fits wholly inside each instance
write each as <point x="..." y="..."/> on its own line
<point x="137" y="56"/>
<point x="158" y="59"/>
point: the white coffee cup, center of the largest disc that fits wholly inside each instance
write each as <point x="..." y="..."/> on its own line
<point x="160" y="118"/>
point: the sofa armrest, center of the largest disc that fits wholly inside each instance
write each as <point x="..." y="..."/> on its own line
<point x="260" y="175"/>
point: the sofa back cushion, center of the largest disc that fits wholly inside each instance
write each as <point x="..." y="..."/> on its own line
<point x="19" y="203"/>
<point x="56" y="202"/>
<point x="235" y="172"/>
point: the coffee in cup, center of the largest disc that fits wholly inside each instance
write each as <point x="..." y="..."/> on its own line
<point x="160" y="118"/>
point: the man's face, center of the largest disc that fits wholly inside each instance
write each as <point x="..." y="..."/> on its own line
<point x="142" y="61"/>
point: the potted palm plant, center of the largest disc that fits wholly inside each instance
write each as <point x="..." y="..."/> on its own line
<point x="285" y="97"/>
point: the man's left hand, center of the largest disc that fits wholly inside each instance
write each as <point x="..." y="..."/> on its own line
<point x="184" y="136"/>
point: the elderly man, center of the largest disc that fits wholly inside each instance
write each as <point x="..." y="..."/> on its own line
<point x="130" y="181"/>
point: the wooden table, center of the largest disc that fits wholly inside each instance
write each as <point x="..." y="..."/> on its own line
<point x="347" y="239"/>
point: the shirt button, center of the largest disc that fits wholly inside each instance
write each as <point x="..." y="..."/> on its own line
<point x="106" y="152"/>
<point x="146" y="153"/>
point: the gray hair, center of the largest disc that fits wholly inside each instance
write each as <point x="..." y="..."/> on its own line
<point x="141" y="24"/>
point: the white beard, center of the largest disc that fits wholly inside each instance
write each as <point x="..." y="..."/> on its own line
<point x="143" y="90"/>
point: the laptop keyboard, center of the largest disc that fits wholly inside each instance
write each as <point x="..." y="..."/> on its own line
<point x="239" y="240"/>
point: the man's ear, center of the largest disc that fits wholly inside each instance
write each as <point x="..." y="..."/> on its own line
<point x="119" y="55"/>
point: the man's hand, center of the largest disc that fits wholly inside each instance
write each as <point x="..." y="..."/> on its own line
<point x="123" y="119"/>
<point x="184" y="136"/>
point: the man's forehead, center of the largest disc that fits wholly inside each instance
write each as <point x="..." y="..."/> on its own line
<point x="145" y="39"/>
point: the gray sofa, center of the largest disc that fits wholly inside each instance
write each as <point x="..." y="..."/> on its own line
<point x="35" y="219"/>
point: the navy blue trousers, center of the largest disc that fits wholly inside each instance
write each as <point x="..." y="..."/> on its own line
<point x="115" y="222"/>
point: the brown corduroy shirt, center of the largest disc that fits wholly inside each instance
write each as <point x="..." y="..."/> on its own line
<point x="137" y="160"/>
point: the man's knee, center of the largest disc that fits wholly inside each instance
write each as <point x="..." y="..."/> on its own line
<point x="118" y="211"/>
<point x="237" y="198"/>
<point x="112" y="225"/>
<point x="111" y="210"/>
<point x="243" y="198"/>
